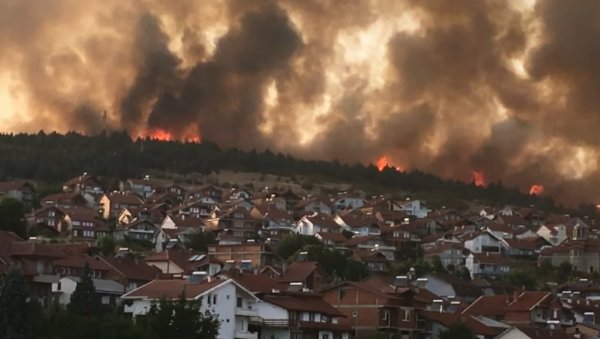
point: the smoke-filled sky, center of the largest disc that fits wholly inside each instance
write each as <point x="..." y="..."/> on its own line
<point x="507" y="88"/>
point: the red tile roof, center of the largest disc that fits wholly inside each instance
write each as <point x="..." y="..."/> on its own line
<point x="256" y="283"/>
<point x="303" y="302"/>
<point x="526" y="301"/>
<point x="172" y="289"/>
<point x="323" y="220"/>
<point x="298" y="271"/>
<point x="132" y="269"/>
<point x="130" y="199"/>
<point x="81" y="261"/>
<point x="488" y="305"/>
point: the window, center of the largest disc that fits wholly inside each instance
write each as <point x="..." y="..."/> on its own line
<point x="406" y="315"/>
<point x="386" y="315"/>
<point x="209" y="299"/>
<point x="214" y="299"/>
<point x="325" y="336"/>
<point x="105" y="300"/>
<point x="311" y="316"/>
<point x="239" y="302"/>
<point x="58" y="286"/>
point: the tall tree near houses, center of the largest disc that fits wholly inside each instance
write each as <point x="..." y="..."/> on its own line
<point x="13" y="306"/>
<point x="84" y="300"/>
<point x="12" y="217"/>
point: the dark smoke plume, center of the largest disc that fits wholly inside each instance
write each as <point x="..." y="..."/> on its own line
<point x="508" y="88"/>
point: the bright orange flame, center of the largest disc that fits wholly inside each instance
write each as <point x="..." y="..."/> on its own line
<point x="382" y="163"/>
<point x="157" y="134"/>
<point x="598" y="206"/>
<point x="478" y="178"/>
<point x="190" y="136"/>
<point x="536" y="190"/>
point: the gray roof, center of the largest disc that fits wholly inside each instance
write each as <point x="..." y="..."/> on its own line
<point x="104" y="285"/>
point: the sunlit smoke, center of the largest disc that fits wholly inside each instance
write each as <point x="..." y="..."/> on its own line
<point x="507" y="88"/>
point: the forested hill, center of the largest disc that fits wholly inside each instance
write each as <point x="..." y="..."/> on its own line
<point x="55" y="157"/>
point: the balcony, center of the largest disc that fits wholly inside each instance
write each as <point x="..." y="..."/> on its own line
<point x="285" y="323"/>
<point x="245" y="335"/>
<point x="245" y="312"/>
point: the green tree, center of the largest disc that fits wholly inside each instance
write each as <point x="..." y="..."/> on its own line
<point x="565" y="270"/>
<point x="84" y="300"/>
<point x="520" y="279"/>
<point x="199" y="241"/>
<point x="181" y="319"/>
<point x="457" y="331"/>
<point x="106" y="245"/>
<point x="293" y="243"/>
<point x="437" y="265"/>
<point x="12" y="217"/>
<point x="14" y="310"/>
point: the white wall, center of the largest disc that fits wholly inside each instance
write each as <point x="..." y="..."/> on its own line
<point x="67" y="287"/>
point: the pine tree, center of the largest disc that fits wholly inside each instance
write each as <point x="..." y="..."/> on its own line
<point x="13" y="306"/>
<point x="84" y="300"/>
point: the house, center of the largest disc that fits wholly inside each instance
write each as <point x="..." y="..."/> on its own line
<point x="450" y="286"/>
<point x="72" y="266"/>
<point x="65" y="199"/>
<point x="108" y="290"/>
<point x="253" y="255"/>
<point x="434" y="323"/>
<point x="358" y="223"/>
<point x="140" y="230"/>
<point x="523" y="246"/>
<point x="583" y="255"/>
<point x="480" y="242"/>
<point x="491" y="306"/>
<point x="234" y="305"/>
<point x="174" y="260"/>
<point x="21" y="190"/>
<point x="143" y="187"/>
<point x="415" y="208"/>
<point x="374" y="259"/>
<point x="309" y="273"/>
<point x="499" y="231"/>
<point x="555" y="234"/>
<point x="344" y="202"/>
<point x="238" y="221"/>
<point x="131" y="273"/>
<point x="370" y="310"/>
<point x="400" y="236"/>
<point x="313" y="205"/>
<point x="451" y="255"/>
<point x="333" y="239"/>
<point x="113" y="203"/>
<point x="487" y="264"/>
<point x="529" y="308"/>
<point x="85" y="224"/>
<point x="317" y="223"/>
<point x="299" y="315"/>
<point x="85" y="183"/>
<point x="538" y="333"/>
<point x="52" y="218"/>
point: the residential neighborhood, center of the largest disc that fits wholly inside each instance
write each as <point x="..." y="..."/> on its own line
<point x="410" y="271"/>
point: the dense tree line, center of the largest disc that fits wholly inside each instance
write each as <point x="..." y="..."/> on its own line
<point x="22" y="317"/>
<point x="54" y="157"/>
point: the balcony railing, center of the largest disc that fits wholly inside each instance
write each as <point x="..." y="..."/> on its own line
<point x="272" y="322"/>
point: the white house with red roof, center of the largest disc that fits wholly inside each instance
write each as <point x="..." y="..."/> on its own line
<point x="233" y="304"/>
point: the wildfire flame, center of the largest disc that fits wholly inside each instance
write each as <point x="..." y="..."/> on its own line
<point x="157" y="134"/>
<point x="536" y="190"/>
<point x="384" y="162"/>
<point x="160" y="134"/>
<point x="478" y="178"/>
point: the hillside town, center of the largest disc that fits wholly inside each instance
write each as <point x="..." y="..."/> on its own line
<point x="276" y="263"/>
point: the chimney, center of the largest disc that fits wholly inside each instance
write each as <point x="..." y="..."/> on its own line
<point x="400" y="281"/>
<point x="198" y="277"/>
<point x="422" y="282"/>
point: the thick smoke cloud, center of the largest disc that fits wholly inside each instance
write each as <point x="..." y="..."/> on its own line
<point x="509" y="88"/>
